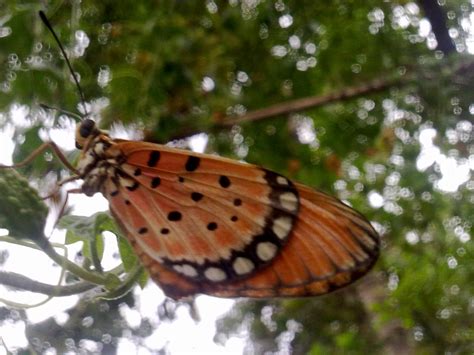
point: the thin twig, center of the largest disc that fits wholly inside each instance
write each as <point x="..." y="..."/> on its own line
<point x="26" y="284"/>
<point x="41" y="243"/>
<point x="93" y="277"/>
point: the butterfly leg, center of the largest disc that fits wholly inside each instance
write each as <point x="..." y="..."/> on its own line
<point x="38" y="151"/>
<point x="64" y="204"/>
<point x="60" y="184"/>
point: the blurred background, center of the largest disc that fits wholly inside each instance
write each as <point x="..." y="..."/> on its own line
<point x="386" y="124"/>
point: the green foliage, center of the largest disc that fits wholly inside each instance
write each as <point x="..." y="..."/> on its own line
<point x="22" y="211"/>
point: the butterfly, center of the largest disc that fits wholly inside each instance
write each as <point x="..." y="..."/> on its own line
<point x="206" y="224"/>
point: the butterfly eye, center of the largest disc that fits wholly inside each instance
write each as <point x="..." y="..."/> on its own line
<point x="86" y="128"/>
<point x="84" y="131"/>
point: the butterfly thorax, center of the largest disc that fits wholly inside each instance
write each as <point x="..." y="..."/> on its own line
<point x="99" y="159"/>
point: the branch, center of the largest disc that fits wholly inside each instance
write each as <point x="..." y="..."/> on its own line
<point x="435" y="14"/>
<point x="299" y="105"/>
<point x="311" y="102"/>
<point x="26" y="284"/>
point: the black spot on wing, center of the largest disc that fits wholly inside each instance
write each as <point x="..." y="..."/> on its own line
<point x="196" y="196"/>
<point x="224" y="181"/>
<point x="212" y="226"/>
<point x="192" y="163"/>
<point x="153" y="159"/>
<point x="155" y="182"/>
<point x="174" y="216"/>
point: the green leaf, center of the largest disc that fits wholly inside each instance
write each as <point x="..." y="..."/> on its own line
<point x="79" y="228"/>
<point x="85" y="228"/>
<point x="72" y="238"/>
<point x="88" y="230"/>
<point x="112" y="281"/>
<point x="143" y="279"/>
<point x="127" y="254"/>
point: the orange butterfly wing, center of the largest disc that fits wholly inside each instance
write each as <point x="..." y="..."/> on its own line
<point x="205" y="224"/>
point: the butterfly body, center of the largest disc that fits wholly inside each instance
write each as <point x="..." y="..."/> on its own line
<point x="206" y="224"/>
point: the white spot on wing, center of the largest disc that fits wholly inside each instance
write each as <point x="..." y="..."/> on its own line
<point x="289" y="201"/>
<point x="282" y="227"/>
<point x="282" y="180"/>
<point x="215" y="274"/>
<point x="243" y="265"/>
<point x="186" y="270"/>
<point x="266" y="251"/>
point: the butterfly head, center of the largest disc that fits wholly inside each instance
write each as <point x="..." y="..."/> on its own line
<point x="85" y="131"/>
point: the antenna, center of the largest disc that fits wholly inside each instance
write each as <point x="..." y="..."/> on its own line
<point x="50" y="28"/>
<point x="69" y="113"/>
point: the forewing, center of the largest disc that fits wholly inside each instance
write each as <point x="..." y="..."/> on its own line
<point x="207" y="218"/>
